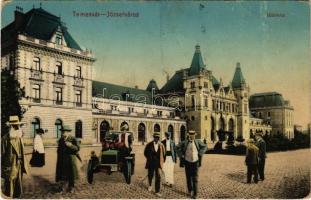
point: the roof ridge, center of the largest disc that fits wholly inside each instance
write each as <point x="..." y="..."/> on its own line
<point x="113" y="84"/>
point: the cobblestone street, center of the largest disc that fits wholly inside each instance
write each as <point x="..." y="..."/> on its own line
<point x="222" y="176"/>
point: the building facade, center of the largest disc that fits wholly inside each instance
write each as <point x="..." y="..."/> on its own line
<point x="56" y="76"/>
<point x="275" y="111"/>
<point x="54" y="72"/>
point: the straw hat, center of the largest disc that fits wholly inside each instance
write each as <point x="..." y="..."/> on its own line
<point x="124" y="127"/>
<point x="191" y="132"/>
<point x="14" y="120"/>
<point x="157" y="134"/>
<point x="250" y="141"/>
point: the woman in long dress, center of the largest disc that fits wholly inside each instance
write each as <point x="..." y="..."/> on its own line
<point x="38" y="155"/>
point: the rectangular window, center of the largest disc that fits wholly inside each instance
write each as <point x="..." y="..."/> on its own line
<point x="205" y="84"/>
<point x="36" y="92"/>
<point x="192" y="101"/>
<point x="36" y="63"/>
<point x="78" y="72"/>
<point x="78" y="96"/>
<point x="214" y="105"/>
<point x="205" y="101"/>
<point x="59" y="95"/>
<point x="159" y="113"/>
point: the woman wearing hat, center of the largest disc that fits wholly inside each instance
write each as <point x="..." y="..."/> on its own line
<point x="170" y="159"/>
<point x="13" y="161"/>
<point x="38" y="155"/>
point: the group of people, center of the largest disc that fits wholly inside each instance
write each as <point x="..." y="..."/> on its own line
<point x="161" y="156"/>
<point x="14" y="163"/>
<point x="255" y="158"/>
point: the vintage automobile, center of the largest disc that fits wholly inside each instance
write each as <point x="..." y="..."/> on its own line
<point x="116" y="156"/>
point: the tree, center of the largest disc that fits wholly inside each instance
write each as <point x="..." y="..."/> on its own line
<point x="10" y="95"/>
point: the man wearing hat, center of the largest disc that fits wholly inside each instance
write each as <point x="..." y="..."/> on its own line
<point x="190" y="152"/>
<point x="13" y="161"/>
<point x="67" y="152"/>
<point x="251" y="160"/>
<point x="155" y="155"/>
<point x="38" y="155"/>
<point x="170" y="159"/>
<point x="261" y="144"/>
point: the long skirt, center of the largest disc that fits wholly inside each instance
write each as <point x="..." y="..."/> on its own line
<point x="168" y="169"/>
<point x="38" y="159"/>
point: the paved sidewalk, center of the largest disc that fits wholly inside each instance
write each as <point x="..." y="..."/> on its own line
<point x="221" y="176"/>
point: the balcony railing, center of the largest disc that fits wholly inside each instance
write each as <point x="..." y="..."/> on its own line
<point x="59" y="78"/>
<point x="36" y="74"/>
<point x="78" y="81"/>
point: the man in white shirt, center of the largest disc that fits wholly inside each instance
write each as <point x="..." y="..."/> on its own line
<point x="170" y="159"/>
<point x="190" y="152"/>
<point x="155" y="155"/>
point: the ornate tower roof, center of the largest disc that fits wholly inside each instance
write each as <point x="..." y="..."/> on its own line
<point x="238" y="79"/>
<point x="197" y="64"/>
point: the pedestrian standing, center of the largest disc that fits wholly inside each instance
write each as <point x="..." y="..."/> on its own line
<point x="67" y="153"/>
<point x="155" y="155"/>
<point x="191" y="152"/>
<point x="13" y="161"/>
<point x="38" y="154"/>
<point x="251" y="160"/>
<point x="170" y="159"/>
<point x="261" y="144"/>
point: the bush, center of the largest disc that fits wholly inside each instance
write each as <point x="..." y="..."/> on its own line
<point x="278" y="142"/>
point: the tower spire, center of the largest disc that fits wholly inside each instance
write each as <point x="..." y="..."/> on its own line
<point x="238" y="78"/>
<point x="197" y="64"/>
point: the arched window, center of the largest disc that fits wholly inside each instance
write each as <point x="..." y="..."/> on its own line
<point x="141" y="132"/>
<point x="78" y="129"/>
<point x="35" y="125"/>
<point x="124" y="123"/>
<point x="170" y="128"/>
<point x="156" y="128"/>
<point x="104" y="128"/>
<point x="182" y="133"/>
<point x="58" y="126"/>
<point x="59" y="68"/>
<point x="221" y="124"/>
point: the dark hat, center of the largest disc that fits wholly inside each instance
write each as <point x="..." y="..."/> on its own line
<point x="157" y="134"/>
<point x="168" y="133"/>
<point x="191" y="132"/>
<point x="65" y="128"/>
<point x="39" y="131"/>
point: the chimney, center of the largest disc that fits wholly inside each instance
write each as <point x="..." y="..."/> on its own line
<point x="136" y="86"/>
<point x="19" y="17"/>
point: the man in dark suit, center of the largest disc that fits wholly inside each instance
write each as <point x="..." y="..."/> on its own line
<point x="155" y="155"/>
<point x="261" y="144"/>
<point x="251" y="161"/>
<point x="170" y="159"/>
<point x="190" y="152"/>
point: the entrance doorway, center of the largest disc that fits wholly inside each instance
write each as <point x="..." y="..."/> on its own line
<point x="141" y="132"/>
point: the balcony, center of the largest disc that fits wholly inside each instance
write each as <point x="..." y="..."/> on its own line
<point x="36" y="74"/>
<point x="78" y="82"/>
<point x="59" y="78"/>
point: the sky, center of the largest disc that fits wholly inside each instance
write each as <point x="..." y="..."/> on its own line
<point x="273" y="51"/>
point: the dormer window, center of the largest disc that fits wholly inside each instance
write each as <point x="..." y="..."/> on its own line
<point x="59" y="39"/>
<point x="192" y="84"/>
<point x="59" y="68"/>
